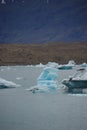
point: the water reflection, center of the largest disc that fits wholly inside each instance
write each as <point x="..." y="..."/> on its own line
<point x="6" y="87"/>
<point x="74" y="91"/>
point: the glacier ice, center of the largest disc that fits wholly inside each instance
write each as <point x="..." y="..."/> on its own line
<point x="52" y="64"/>
<point x="7" y="84"/>
<point x="39" y="65"/>
<point x="84" y="65"/>
<point x="47" y="81"/>
<point x="70" y="65"/>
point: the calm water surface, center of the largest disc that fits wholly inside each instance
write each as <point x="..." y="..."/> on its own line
<point x="23" y="110"/>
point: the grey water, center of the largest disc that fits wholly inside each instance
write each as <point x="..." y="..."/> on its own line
<point x="22" y="110"/>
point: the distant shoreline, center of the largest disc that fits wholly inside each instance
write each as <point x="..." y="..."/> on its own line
<point x="31" y="54"/>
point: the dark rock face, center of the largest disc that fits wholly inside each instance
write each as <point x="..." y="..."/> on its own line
<point x="41" y="21"/>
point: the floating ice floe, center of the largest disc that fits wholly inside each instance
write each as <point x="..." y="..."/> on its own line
<point x="19" y="78"/>
<point x="39" y="65"/>
<point x="52" y="64"/>
<point x="47" y="81"/>
<point x="84" y="65"/>
<point x="29" y="66"/>
<point x="77" y="81"/>
<point x="72" y="62"/>
<point x="70" y="65"/>
<point x="7" y="84"/>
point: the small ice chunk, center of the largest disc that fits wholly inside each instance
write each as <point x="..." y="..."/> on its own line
<point x="39" y="65"/>
<point x="52" y="64"/>
<point x="19" y="78"/>
<point x="6" y="84"/>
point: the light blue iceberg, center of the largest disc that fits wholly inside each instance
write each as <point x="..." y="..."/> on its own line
<point x="68" y="66"/>
<point x="84" y="65"/>
<point x="47" y="81"/>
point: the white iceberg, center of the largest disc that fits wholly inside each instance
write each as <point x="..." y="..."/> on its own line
<point x="71" y="62"/>
<point x="52" y="64"/>
<point x="7" y="84"/>
<point x="39" y="65"/>
<point x="77" y="81"/>
<point x="19" y="78"/>
<point x="29" y="66"/>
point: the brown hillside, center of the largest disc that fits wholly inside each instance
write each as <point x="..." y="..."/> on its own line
<point x="15" y="54"/>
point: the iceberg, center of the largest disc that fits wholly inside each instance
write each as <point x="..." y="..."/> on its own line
<point x="48" y="74"/>
<point x="47" y="81"/>
<point x="72" y="63"/>
<point x="84" y="65"/>
<point x="77" y="81"/>
<point x="7" y="84"/>
<point x="52" y="64"/>
<point x="68" y="66"/>
<point x="39" y="65"/>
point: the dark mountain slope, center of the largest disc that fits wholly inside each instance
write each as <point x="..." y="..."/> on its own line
<point x="39" y="21"/>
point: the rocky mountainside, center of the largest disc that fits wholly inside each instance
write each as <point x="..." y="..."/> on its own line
<point x="42" y="21"/>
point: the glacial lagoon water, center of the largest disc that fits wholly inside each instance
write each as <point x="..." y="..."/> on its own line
<point x="22" y="110"/>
